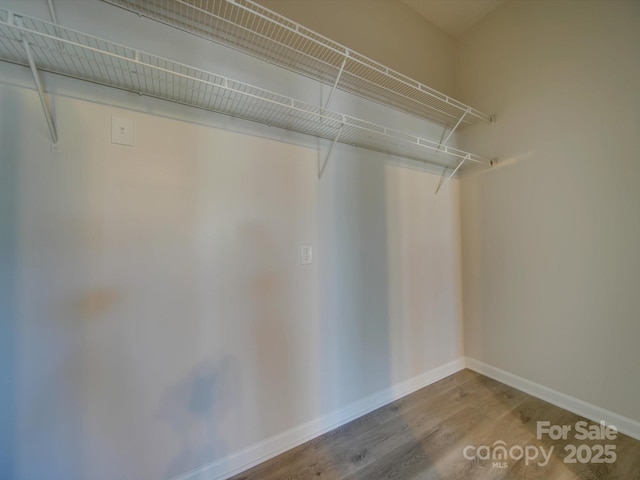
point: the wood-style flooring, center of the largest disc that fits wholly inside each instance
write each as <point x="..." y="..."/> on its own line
<point x="424" y="435"/>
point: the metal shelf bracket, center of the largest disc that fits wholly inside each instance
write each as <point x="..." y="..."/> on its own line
<point x="335" y="84"/>
<point x="455" y="127"/>
<point x="36" y="78"/>
<point x="443" y="183"/>
<point x="322" y="166"/>
<point x="52" y="12"/>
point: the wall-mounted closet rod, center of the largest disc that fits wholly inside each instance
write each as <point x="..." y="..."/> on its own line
<point x="247" y="26"/>
<point x="30" y="42"/>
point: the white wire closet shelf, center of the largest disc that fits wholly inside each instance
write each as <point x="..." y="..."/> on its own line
<point x="71" y="53"/>
<point x="253" y="29"/>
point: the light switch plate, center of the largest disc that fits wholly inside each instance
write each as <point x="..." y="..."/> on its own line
<point x="306" y="255"/>
<point x="122" y="130"/>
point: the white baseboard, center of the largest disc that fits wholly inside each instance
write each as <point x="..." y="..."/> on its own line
<point x="625" y="425"/>
<point x="271" y="447"/>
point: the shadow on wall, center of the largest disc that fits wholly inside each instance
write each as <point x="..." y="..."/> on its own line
<point x="9" y="182"/>
<point x="271" y="328"/>
<point x="195" y="409"/>
<point x="203" y="409"/>
<point x="354" y="285"/>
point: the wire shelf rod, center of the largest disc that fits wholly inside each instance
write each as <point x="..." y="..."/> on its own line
<point x="100" y="61"/>
<point x="293" y="46"/>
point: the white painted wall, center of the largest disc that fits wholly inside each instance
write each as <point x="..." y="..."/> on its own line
<point x="550" y="236"/>
<point x="154" y="312"/>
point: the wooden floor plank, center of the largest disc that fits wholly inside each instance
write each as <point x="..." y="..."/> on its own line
<point x="418" y="457"/>
<point x="423" y="435"/>
<point x="363" y="441"/>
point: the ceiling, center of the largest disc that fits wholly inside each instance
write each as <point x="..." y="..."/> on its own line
<point x="453" y="16"/>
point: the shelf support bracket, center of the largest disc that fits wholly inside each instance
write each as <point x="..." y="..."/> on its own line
<point x="455" y="127"/>
<point x="54" y="19"/>
<point x="52" y="12"/>
<point x="443" y="183"/>
<point x="335" y="84"/>
<point x="36" y="77"/>
<point x="322" y="166"/>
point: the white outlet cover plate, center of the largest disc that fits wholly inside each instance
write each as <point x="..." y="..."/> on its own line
<point x="122" y="130"/>
<point x="306" y="254"/>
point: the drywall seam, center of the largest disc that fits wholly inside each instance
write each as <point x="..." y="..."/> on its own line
<point x="625" y="425"/>
<point x="271" y="447"/>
